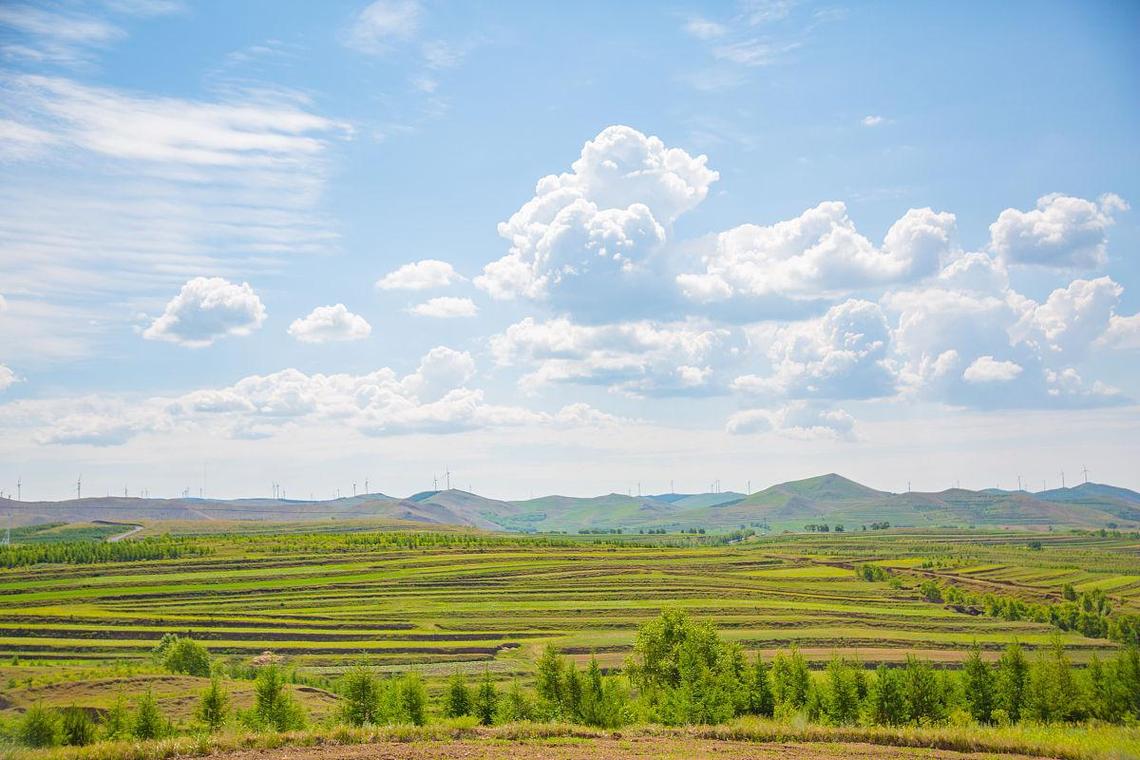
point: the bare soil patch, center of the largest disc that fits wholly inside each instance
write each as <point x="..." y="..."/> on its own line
<point x="632" y="748"/>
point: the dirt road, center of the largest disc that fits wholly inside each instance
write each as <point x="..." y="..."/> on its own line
<point x="633" y="748"/>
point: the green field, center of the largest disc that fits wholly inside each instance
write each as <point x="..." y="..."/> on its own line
<point x="398" y="600"/>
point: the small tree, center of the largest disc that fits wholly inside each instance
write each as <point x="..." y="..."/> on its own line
<point x="923" y="692"/>
<point x="842" y="702"/>
<point x="791" y="679"/>
<point x="550" y="680"/>
<point x="759" y="690"/>
<point x="117" y="724"/>
<point x="40" y="727"/>
<point x="887" y="698"/>
<point x="413" y="698"/>
<point x="214" y="705"/>
<point x="148" y="722"/>
<point x="1011" y="682"/>
<point x="979" y="686"/>
<point x="78" y="728"/>
<point x="273" y="706"/>
<point x="486" y="700"/>
<point x="515" y="705"/>
<point x="457" y="702"/>
<point x="361" y="697"/>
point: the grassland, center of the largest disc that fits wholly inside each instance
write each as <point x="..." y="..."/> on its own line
<point x="77" y="634"/>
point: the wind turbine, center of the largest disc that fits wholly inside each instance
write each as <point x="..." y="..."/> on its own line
<point x="1085" y="470"/>
<point x="79" y="487"/>
<point x="19" y="488"/>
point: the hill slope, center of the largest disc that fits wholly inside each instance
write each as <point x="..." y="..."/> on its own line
<point x="831" y="499"/>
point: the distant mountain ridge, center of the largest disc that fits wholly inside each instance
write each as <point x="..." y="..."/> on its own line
<point x="825" y="499"/>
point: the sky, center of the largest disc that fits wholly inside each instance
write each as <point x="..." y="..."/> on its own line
<point x="566" y="248"/>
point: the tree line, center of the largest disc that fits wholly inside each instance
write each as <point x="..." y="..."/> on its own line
<point x="95" y="552"/>
<point x="1087" y="612"/>
<point x="681" y="672"/>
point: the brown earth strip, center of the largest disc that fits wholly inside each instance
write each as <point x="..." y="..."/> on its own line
<point x="632" y="748"/>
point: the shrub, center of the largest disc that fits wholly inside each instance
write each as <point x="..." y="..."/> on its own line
<point x="41" y="727"/>
<point x="186" y="656"/>
<point x="78" y="728"/>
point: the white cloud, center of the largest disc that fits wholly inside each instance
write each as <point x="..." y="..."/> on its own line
<point x="636" y="358"/>
<point x="330" y="323"/>
<point x="755" y="52"/>
<point x="420" y="275"/>
<point x="140" y="193"/>
<point x="986" y="369"/>
<point x="1122" y="332"/>
<point x="842" y="354"/>
<point x="795" y="420"/>
<point x="704" y="29"/>
<point x="434" y="399"/>
<point x="446" y="307"/>
<point x="1062" y="232"/>
<point x="1071" y="319"/>
<point x="383" y="22"/>
<point x="43" y="35"/>
<point x="818" y="253"/>
<point x="588" y="235"/>
<point x="206" y="309"/>
<point x="169" y="130"/>
<point x="872" y="120"/>
<point x="7" y="378"/>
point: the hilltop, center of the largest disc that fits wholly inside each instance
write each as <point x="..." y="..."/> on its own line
<point x="826" y="499"/>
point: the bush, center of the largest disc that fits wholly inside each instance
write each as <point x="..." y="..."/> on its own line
<point x="41" y="727"/>
<point x="187" y="656"/>
<point x="78" y="728"/>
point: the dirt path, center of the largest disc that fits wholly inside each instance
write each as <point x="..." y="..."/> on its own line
<point x="128" y="534"/>
<point x="633" y="748"/>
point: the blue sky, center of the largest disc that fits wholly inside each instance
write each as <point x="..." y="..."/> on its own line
<point x="311" y="243"/>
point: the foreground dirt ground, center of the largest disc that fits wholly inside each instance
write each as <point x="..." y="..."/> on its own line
<point x="597" y="749"/>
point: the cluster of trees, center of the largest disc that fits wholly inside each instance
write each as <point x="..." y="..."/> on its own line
<point x="1086" y="612"/>
<point x="94" y="552"/>
<point x="274" y="709"/>
<point x="823" y="528"/>
<point x="681" y="672"/>
<point x="600" y="532"/>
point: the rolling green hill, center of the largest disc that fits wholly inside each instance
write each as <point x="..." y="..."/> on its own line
<point x="826" y="499"/>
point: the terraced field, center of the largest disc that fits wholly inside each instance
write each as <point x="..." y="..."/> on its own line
<point x="328" y="601"/>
